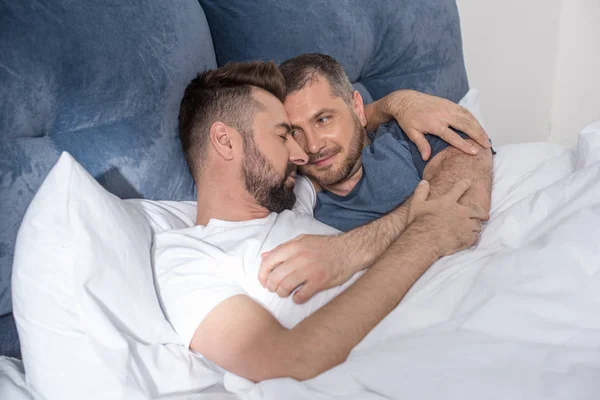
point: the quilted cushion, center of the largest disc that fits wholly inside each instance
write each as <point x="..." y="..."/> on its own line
<point x="103" y="81"/>
<point x="383" y="44"/>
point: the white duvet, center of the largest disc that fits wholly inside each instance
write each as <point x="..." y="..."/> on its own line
<point x="517" y="317"/>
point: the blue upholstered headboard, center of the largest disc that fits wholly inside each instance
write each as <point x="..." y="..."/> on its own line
<point x="383" y="44"/>
<point x="103" y="80"/>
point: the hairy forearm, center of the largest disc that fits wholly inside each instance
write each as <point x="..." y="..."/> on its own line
<point x="363" y="245"/>
<point x="324" y="339"/>
<point x="452" y="165"/>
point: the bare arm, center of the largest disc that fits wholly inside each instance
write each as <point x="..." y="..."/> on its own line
<point x="419" y="114"/>
<point x="321" y="262"/>
<point x="364" y="244"/>
<point x="451" y="165"/>
<point x="245" y="339"/>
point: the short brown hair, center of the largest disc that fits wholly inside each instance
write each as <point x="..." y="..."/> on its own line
<point x="223" y="94"/>
<point x="305" y="69"/>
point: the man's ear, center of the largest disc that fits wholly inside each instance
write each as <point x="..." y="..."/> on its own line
<point x="359" y="107"/>
<point x="221" y="140"/>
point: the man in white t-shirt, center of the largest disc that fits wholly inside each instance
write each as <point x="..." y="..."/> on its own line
<point x="238" y="142"/>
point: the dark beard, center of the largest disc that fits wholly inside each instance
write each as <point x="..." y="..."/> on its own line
<point x="263" y="182"/>
<point x="329" y="177"/>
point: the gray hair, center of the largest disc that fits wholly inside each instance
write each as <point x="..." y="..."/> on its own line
<point x="306" y="69"/>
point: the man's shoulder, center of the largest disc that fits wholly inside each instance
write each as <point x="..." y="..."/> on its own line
<point x="188" y="230"/>
<point x="388" y="153"/>
<point x="387" y="133"/>
<point x="174" y="247"/>
<point x="214" y="243"/>
<point x="192" y="277"/>
<point x="171" y="237"/>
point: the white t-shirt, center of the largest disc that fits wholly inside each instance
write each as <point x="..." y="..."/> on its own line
<point x="199" y="267"/>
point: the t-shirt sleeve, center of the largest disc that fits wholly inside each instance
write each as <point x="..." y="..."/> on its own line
<point x="306" y="195"/>
<point x="191" y="280"/>
<point x="437" y="145"/>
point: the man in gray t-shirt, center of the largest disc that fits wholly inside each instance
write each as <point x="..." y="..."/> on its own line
<point x="362" y="177"/>
<point x="392" y="169"/>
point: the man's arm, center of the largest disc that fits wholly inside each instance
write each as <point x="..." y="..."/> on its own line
<point x="320" y="262"/>
<point x="451" y="165"/>
<point x="316" y="262"/>
<point x="419" y="114"/>
<point x="244" y="338"/>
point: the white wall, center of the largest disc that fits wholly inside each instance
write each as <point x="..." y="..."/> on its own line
<point x="532" y="62"/>
<point x="577" y="83"/>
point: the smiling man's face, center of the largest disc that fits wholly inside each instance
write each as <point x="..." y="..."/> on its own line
<point x="329" y="131"/>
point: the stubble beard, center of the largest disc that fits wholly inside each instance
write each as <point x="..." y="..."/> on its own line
<point x="327" y="176"/>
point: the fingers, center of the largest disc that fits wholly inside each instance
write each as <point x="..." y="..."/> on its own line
<point x="305" y="293"/>
<point x="459" y="189"/>
<point x="290" y="283"/>
<point x="268" y="264"/>
<point x="271" y="259"/>
<point x="421" y="193"/>
<point x="422" y="144"/>
<point x="456" y="141"/>
<point x="465" y="121"/>
<point x="278" y="275"/>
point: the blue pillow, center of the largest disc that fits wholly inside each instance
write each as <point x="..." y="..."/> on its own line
<point x="102" y="80"/>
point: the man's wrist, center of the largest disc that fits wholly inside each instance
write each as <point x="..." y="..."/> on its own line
<point x="394" y="104"/>
<point x="401" y="214"/>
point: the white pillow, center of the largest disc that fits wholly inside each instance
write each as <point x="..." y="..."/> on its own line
<point x="84" y="298"/>
<point x="471" y="102"/>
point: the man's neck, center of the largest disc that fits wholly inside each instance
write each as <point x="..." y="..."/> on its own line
<point x="226" y="203"/>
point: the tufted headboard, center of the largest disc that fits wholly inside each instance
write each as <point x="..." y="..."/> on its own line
<point x="383" y="45"/>
<point x="103" y="80"/>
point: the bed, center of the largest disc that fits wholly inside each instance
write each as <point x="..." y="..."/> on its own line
<point x="514" y="317"/>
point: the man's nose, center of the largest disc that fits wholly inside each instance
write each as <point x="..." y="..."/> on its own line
<point x="297" y="155"/>
<point x="314" y="142"/>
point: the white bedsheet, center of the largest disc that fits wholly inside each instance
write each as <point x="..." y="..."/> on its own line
<point x="12" y="381"/>
<point x="517" y="317"/>
<point x="13" y="386"/>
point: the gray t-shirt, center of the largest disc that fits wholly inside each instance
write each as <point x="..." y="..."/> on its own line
<point x="392" y="169"/>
